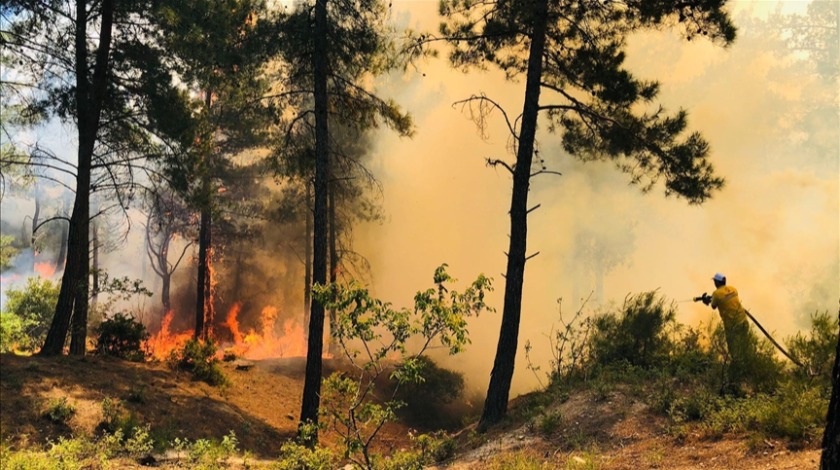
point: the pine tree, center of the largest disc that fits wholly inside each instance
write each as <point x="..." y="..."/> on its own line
<point x="571" y="55"/>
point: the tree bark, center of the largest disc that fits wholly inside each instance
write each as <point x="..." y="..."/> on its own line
<point x="332" y="346"/>
<point x="830" y="459"/>
<point x="315" y="342"/>
<point x="95" y="271"/>
<point x="35" y="218"/>
<point x="61" y="258"/>
<point x="202" y="286"/>
<point x="73" y="295"/>
<point x="307" y="283"/>
<point x="495" y="405"/>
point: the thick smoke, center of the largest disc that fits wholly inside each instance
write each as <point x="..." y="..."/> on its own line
<point x="773" y="230"/>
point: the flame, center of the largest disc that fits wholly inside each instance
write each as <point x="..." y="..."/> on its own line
<point x="266" y="343"/>
<point x="251" y="344"/>
<point x="161" y="344"/>
<point x="45" y="269"/>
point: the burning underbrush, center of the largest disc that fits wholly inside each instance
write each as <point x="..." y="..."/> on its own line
<point x="275" y="337"/>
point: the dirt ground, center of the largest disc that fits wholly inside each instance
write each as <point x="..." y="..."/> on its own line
<point x="261" y="406"/>
<point x="622" y="433"/>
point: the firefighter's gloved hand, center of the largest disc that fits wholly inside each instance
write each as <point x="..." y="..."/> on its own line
<point x="707" y="299"/>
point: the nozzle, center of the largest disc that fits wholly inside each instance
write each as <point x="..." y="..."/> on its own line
<point x="705" y="298"/>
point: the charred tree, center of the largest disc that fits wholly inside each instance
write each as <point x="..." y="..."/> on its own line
<point x="830" y="459"/>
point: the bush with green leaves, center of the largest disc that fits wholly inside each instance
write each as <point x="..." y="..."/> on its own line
<point x="116" y="419"/>
<point x="199" y="359"/>
<point x="294" y="456"/>
<point x="7" y="251"/>
<point x="795" y="412"/>
<point x="121" y="336"/>
<point x="816" y="349"/>
<point x="205" y="454"/>
<point x="369" y="331"/>
<point x="78" y="452"/>
<point x="426" y="403"/>
<point x="637" y="335"/>
<point x="27" y="314"/>
<point x="59" y="410"/>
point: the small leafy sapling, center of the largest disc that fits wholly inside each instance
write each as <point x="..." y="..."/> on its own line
<point x="377" y="338"/>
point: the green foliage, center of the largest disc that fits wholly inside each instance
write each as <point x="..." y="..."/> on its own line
<point x="518" y="460"/>
<point x="27" y="315"/>
<point x="117" y="420"/>
<point x="122" y="336"/>
<point x="794" y="412"/>
<point x="199" y="358"/>
<point x="12" y="333"/>
<point x="602" y="110"/>
<point x="204" y="454"/>
<point x="425" y="400"/>
<point x="549" y="422"/>
<point x="639" y="336"/>
<point x="59" y="410"/>
<point x="440" y="314"/>
<point x="294" y="456"/>
<point x="816" y="349"/>
<point x="7" y="251"/>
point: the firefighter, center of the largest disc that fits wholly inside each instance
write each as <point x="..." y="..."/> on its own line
<point x="739" y="340"/>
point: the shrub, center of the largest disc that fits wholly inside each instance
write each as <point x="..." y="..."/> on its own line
<point x="13" y="333"/>
<point x="816" y="350"/>
<point x="205" y="454"/>
<point x="116" y="419"/>
<point x="294" y="456"/>
<point x="199" y="358"/>
<point x="59" y="410"/>
<point x="425" y="402"/>
<point x="121" y="336"/>
<point x="638" y="335"/>
<point x="27" y="315"/>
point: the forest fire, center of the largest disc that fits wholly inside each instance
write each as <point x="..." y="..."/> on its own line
<point x="45" y="269"/>
<point x="251" y="344"/>
<point x="161" y="344"/>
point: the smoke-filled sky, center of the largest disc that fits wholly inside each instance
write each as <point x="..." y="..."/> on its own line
<point x="774" y="230"/>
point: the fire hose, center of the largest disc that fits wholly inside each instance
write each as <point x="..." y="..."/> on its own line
<point x="705" y="298"/>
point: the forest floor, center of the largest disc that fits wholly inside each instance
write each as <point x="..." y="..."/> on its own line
<point x="590" y="431"/>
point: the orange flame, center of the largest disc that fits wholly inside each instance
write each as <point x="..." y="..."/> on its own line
<point x="45" y="269"/>
<point x="161" y="344"/>
<point x="252" y="344"/>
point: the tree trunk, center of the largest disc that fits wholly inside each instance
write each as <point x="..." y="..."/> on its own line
<point x="495" y="405"/>
<point x="830" y="459"/>
<point x="332" y="345"/>
<point x="315" y="342"/>
<point x="62" y="249"/>
<point x="166" y="281"/>
<point x="95" y="271"/>
<point x="202" y="290"/>
<point x="35" y="219"/>
<point x="73" y="295"/>
<point x="307" y="283"/>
